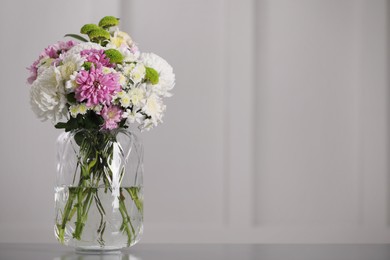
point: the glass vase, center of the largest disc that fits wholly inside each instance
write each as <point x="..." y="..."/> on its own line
<point x="98" y="193"/>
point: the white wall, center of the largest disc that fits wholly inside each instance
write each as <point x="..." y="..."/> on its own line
<point x="277" y="131"/>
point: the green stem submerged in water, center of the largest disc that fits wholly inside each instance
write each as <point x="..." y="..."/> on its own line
<point x="94" y="173"/>
<point x="78" y="207"/>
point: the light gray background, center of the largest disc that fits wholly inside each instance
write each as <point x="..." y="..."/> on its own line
<point x="278" y="131"/>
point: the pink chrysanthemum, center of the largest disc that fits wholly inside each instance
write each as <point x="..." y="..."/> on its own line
<point x="96" y="87"/>
<point x="33" y="72"/>
<point x="112" y="116"/>
<point x="65" y="46"/>
<point x="97" y="57"/>
<point x="53" y="52"/>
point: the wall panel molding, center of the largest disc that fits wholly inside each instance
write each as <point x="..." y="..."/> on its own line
<point x="240" y="39"/>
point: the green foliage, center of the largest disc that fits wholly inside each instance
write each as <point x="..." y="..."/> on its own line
<point x="71" y="97"/>
<point x="77" y="37"/>
<point x="90" y="120"/>
<point x="114" y="55"/>
<point x="61" y="125"/>
<point x="87" y="28"/>
<point x="108" y="21"/>
<point x="152" y="75"/>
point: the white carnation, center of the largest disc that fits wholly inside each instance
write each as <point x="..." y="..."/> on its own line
<point x="47" y="96"/>
<point x="166" y="77"/>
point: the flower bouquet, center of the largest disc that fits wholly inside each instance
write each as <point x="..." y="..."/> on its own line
<point x="95" y="88"/>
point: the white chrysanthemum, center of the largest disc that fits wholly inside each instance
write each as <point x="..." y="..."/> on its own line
<point x="70" y="64"/>
<point x="70" y="85"/>
<point x="133" y="116"/>
<point x="137" y="74"/>
<point x="78" y="109"/>
<point x="74" y="110"/>
<point x="107" y="70"/>
<point x="120" y="94"/>
<point x="125" y="100"/>
<point x="122" y="80"/>
<point x="166" y="76"/>
<point x="122" y="42"/>
<point x="147" y="125"/>
<point x="47" y="96"/>
<point x="43" y="65"/>
<point x="120" y="39"/>
<point x="154" y="108"/>
<point x="97" y="108"/>
<point x="83" y="108"/>
<point x="83" y="46"/>
<point x="128" y="68"/>
<point x="137" y="96"/>
<point x="130" y="55"/>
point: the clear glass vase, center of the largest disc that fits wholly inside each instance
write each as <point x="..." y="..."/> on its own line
<point x="98" y="193"/>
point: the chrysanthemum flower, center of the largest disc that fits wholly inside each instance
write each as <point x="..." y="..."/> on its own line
<point x="154" y="108"/>
<point x="48" y="99"/>
<point x="51" y="52"/>
<point x="95" y="87"/>
<point x="166" y="76"/>
<point x="78" y="109"/>
<point x="137" y="96"/>
<point x="54" y="51"/>
<point x="33" y="72"/>
<point x="70" y="64"/>
<point x="112" y="115"/>
<point x="97" y="57"/>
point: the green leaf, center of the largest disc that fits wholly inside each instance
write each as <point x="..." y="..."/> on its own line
<point x="77" y="37"/>
<point x="72" y="124"/>
<point x="79" y="138"/>
<point x="152" y="75"/>
<point x="122" y="124"/>
<point x="92" y="121"/>
<point x="71" y="97"/>
<point x="61" y="125"/>
<point x="92" y="163"/>
<point x="89" y="123"/>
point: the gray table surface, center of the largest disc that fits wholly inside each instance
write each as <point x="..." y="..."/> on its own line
<point x="201" y="252"/>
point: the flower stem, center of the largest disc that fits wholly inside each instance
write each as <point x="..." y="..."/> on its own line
<point x="126" y="225"/>
<point x="66" y="216"/>
<point x="82" y="209"/>
<point x="133" y="192"/>
<point x="102" y="225"/>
